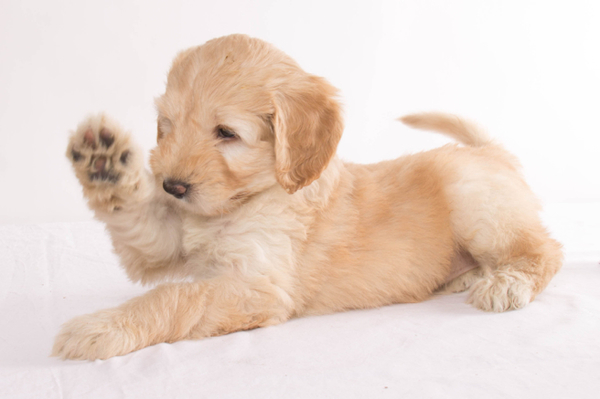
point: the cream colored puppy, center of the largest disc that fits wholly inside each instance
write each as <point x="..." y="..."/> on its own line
<point x="248" y="204"/>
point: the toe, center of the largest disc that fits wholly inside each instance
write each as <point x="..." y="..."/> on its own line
<point x="88" y="139"/>
<point x="106" y="137"/>
<point x="76" y="155"/>
<point x="125" y="157"/>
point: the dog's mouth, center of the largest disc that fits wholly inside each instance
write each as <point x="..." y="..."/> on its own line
<point x="188" y="197"/>
<point x="241" y="197"/>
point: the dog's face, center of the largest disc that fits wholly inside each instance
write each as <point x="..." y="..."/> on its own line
<point x="239" y="117"/>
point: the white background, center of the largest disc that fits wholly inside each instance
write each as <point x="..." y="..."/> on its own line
<point x="528" y="71"/>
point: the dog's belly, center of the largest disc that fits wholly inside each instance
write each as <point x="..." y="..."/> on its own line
<point x="387" y="238"/>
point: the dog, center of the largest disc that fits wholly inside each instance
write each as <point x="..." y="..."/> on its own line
<point x="252" y="219"/>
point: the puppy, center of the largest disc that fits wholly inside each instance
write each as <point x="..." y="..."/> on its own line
<point x="254" y="220"/>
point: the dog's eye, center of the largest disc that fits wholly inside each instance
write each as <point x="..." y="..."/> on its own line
<point x="225" y="133"/>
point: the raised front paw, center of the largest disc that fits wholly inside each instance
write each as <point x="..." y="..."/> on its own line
<point x="108" y="165"/>
<point x="96" y="336"/>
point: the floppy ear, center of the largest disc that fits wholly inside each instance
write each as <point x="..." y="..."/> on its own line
<point x="308" y="126"/>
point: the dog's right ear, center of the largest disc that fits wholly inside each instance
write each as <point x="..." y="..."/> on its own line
<point x="308" y="126"/>
<point x="164" y="127"/>
<point x="163" y="124"/>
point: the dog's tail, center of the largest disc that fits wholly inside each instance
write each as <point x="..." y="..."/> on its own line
<point x="464" y="131"/>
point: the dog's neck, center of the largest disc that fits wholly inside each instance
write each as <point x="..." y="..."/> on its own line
<point x="318" y="193"/>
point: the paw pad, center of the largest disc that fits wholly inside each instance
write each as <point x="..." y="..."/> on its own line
<point x="76" y="155"/>
<point x="106" y="138"/>
<point x="124" y="157"/>
<point x="101" y="170"/>
<point x="89" y="140"/>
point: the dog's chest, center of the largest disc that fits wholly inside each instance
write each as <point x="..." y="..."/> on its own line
<point x="257" y="243"/>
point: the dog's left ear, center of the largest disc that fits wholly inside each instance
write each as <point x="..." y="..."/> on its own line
<point x="308" y="126"/>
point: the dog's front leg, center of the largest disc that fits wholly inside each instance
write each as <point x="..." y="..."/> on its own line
<point x="170" y="313"/>
<point x="145" y="230"/>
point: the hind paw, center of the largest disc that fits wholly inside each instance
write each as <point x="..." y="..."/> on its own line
<point x="501" y="291"/>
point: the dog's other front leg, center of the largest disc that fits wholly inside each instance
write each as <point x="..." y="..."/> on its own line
<point x="173" y="312"/>
<point x="145" y="230"/>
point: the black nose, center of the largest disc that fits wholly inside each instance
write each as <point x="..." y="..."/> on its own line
<point x="176" y="188"/>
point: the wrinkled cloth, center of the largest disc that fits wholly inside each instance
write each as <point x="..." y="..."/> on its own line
<point x="439" y="348"/>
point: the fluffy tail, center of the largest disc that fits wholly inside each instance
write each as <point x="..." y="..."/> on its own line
<point x="451" y="125"/>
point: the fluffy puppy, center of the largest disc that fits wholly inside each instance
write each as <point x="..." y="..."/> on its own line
<point x="254" y="220"/>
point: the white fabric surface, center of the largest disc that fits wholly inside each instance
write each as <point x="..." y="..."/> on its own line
<point x="439" y="348"/>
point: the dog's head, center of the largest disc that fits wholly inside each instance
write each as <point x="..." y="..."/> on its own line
<point x="238" y="117"/>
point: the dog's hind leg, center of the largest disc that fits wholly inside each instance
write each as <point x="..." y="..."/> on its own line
<point x="515" y="275"/>
<point x="495" y="218"/>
